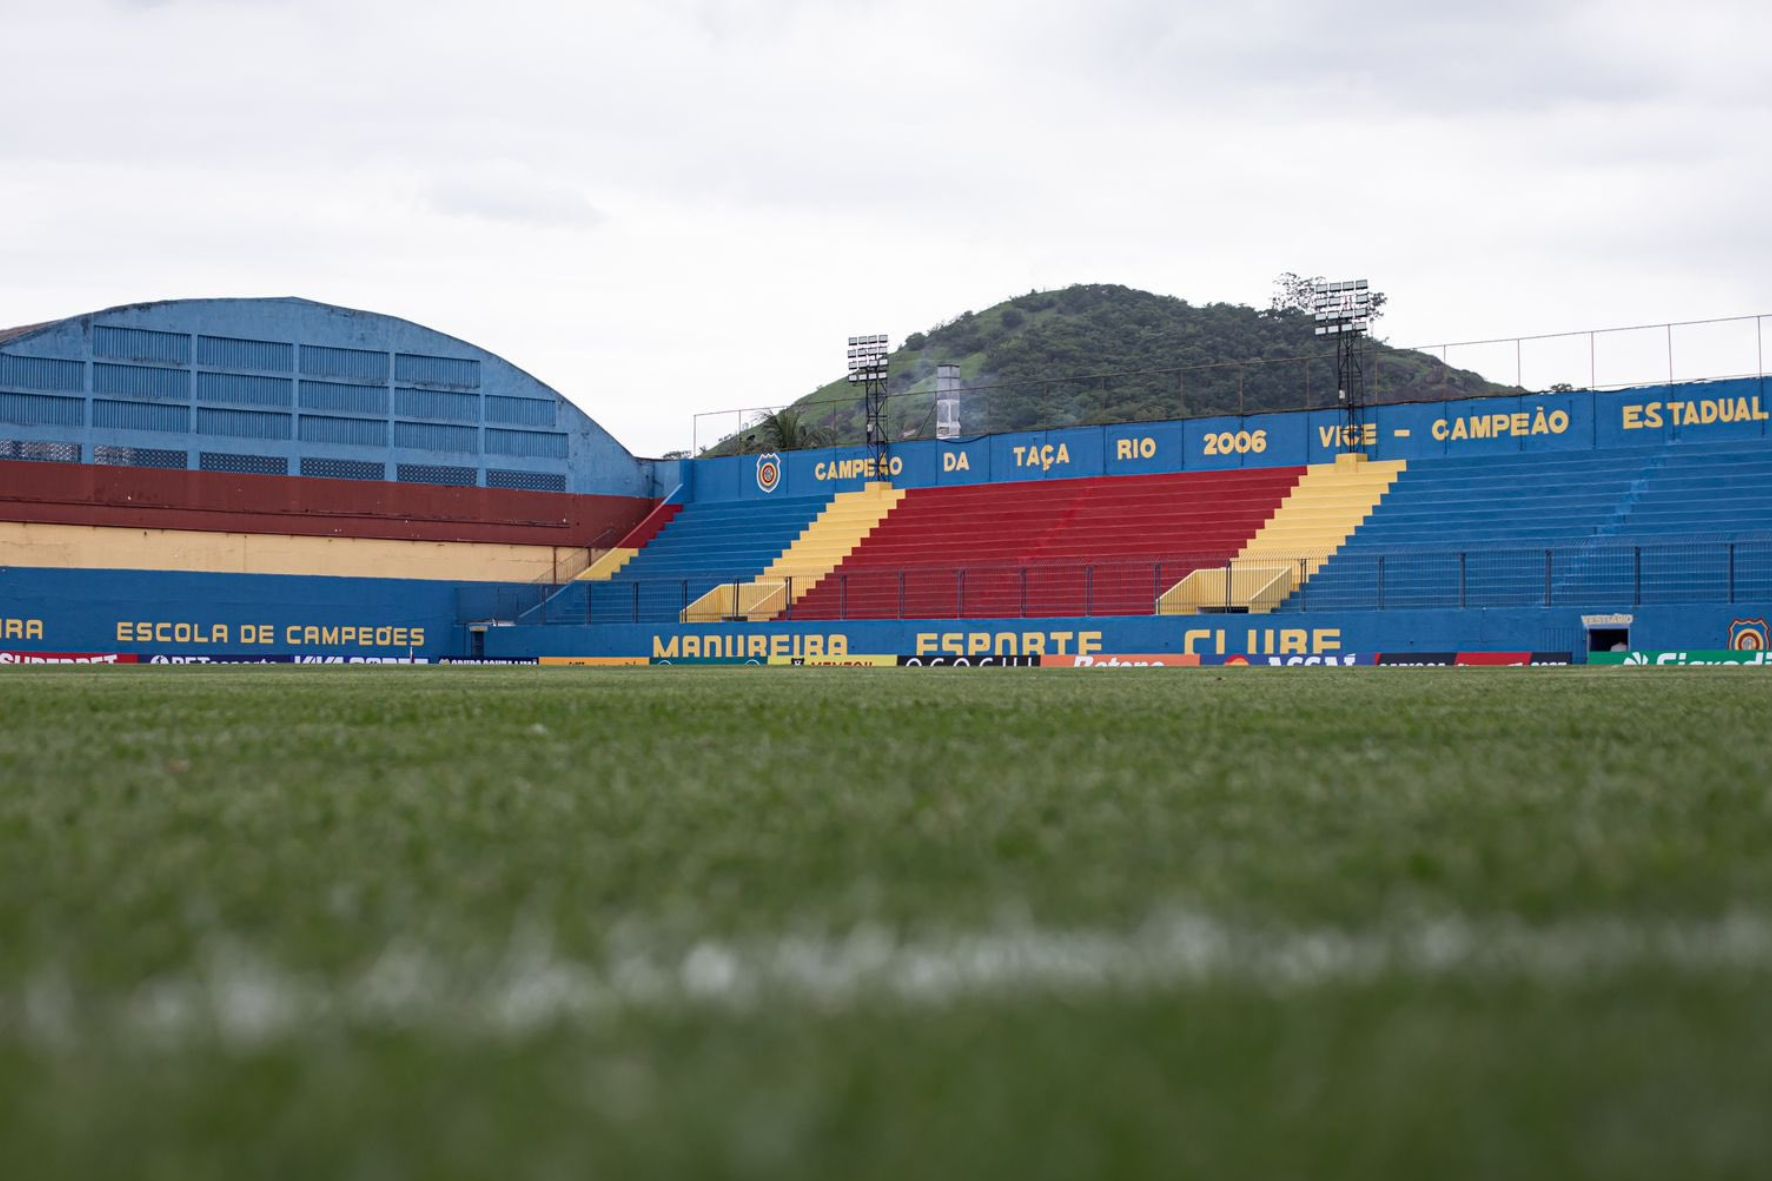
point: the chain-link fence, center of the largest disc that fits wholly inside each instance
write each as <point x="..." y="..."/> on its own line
<point x="1595" y="359"/>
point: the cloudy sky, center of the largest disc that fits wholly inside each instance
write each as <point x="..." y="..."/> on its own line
<point x="665" y="206"/>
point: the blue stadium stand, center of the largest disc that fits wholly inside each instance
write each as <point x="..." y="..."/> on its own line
<point x="707" y="544"/>
<point x="1562" y="528"/>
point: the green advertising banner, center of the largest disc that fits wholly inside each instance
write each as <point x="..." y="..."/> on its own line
<point x="1680" y="659"/>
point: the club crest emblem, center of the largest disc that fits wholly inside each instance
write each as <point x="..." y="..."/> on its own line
<point x="769" y="471"/>
<point x="1748" y="635"/>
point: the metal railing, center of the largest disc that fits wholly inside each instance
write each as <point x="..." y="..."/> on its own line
<point x="1590" y="359"/>
<point x="1604" y="575"/>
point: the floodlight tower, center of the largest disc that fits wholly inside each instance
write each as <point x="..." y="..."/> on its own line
<point x="867" y="368"/>
<point x="1344" y="310"/>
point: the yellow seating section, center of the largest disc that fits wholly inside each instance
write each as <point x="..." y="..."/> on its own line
<point x="1322" y="511"/>
<point x="608" y="564"/>
<point x="832" y="536"/>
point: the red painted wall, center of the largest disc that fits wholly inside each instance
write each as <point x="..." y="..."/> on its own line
<point x="146" y="498"/>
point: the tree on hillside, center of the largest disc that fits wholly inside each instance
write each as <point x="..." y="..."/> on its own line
<point x="1296" y="293"/>
<point x="1292" y="293"/>
<point x="788" y="430"/>
<point x="1107" y="353"/>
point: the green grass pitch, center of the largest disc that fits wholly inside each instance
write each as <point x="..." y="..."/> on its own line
<point x="818" y="923"/>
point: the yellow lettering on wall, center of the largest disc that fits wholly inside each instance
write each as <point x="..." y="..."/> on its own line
<point x="1143" y="447"/>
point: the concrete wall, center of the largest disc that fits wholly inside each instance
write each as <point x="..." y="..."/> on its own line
<point x="1538" y="422"/>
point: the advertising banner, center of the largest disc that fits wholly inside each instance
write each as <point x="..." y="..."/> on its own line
<point x="489" y="660"/>
<point x="358" y="659"/>
<point x="1143" y="660"/>
<point x="1473" y="659"/>
<point x="703" y="661"/>
<point x="934" y="661"/>
<point x="1512" y="659"/>
<point x="1720" y="658"/>
<point x="1338" y="660"/>
<point x="597" y="661"/>
<point x="855" y="660"/>
<point x="240" y="659"/>
<point x="67" y="658"/>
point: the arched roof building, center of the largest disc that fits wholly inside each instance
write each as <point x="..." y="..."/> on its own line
<point x="290" y="387"/>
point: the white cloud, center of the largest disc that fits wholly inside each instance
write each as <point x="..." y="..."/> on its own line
<point x="667" y="206"/>
<point x="510" y="194"/>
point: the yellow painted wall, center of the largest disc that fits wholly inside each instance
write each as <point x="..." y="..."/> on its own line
<point x="95" y="547"/>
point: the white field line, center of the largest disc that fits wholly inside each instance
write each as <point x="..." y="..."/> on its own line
<point x="239" y="999"/>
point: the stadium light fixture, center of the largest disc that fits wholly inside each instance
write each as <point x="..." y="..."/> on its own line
<point x="1339" y="307"/>
<point x="1343" y="310"/>
<point x="867" y="358"/>
<point x="868" y="361"/>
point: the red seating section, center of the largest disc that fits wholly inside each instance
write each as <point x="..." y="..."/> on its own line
<point x="1105" y="546"/>
<point x="642" y="534"/>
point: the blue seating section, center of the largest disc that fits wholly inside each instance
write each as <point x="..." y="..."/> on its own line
<point x="707" y="544"/>
<point x="1686" y="522"/>
<point x="1715" y="491"/>
<point x="1683" y="522"/>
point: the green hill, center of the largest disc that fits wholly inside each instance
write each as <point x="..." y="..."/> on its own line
<point x="1102" y="353"/>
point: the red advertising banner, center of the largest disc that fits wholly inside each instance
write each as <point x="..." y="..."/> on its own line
<point x="1473" y="659"/>
<point x="68" y="658"/>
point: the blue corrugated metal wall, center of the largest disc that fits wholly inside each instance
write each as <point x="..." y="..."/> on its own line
<point x="285" y="385"/>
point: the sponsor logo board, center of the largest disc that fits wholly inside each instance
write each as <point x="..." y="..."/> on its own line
<point x="667" y="661"/>
<point x="241" y="659"/>
<point x="1725" y="659"/>
<point x="1340" y="660"/>
<point x="1512" y="659"/>
<point x="597" y="661"/>
<point x="68" y="658"/>
<point x="488" y="660"/>
<point x="359" y="660"/>
<point x="1472" y="659"/>
<point x="936" y="661"/>
<point x="1140" y="660"/>
<point x="853" y="660"/>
